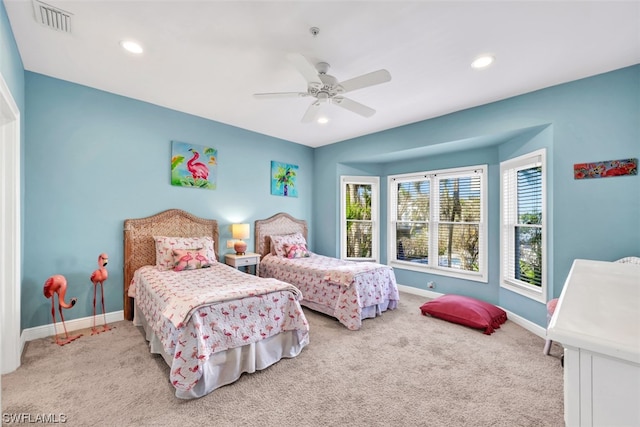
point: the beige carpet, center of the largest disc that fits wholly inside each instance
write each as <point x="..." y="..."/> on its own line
<point x="400" y="369"/>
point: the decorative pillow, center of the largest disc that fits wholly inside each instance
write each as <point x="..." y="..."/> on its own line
<point x="166" y="245"/>
<point x="278" y="243"/>
<point x="190" y="259"/>
<point x="297" y="251"/>
<point x="466" y="311"/>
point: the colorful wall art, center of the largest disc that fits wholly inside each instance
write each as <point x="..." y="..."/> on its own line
<point x="605" y="169"/>
<point x="193" y="165"/>
<point x="283" y="179"/>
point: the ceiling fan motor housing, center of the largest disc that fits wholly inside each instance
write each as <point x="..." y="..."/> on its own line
<point x="330" y="86"/>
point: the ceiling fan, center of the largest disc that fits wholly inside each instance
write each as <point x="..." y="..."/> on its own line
<point x="327" y="89"/>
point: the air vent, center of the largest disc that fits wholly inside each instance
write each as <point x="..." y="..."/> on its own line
<point x="52" y="17"/>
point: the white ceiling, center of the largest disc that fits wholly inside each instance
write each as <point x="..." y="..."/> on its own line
<point x="207" y="58"/>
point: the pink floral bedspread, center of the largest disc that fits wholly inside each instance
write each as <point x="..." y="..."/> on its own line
<point x="212" y="310"/>
<point x="345" y="287"/>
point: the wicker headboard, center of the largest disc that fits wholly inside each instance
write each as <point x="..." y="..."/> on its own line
<point x="280" y="223"/>
<point x="140" y="247"/>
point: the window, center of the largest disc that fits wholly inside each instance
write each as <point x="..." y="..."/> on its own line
<point x="359" y="217"/>
<point x="522" y="225"/>
<point x="437" y="222"/>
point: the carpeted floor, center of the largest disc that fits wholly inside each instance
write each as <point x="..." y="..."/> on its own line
<point x="400" y="369"/>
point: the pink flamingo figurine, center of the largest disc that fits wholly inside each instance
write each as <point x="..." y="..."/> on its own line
<point x="98" y="277"/>
<point x="58" y="285"/>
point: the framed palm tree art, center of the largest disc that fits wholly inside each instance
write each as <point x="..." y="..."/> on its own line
<point x="283" y="179"/>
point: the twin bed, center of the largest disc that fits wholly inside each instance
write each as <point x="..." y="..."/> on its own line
<point x="349" y="291"/>
<point x="210" y="322"/>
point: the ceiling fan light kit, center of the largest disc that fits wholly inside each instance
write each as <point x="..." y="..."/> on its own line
<point x="328" y="89"/>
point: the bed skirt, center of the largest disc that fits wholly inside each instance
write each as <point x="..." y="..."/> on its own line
<point x="226" y="367"/>
<point x="367" y="312"/>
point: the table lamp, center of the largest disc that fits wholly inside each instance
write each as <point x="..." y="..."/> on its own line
<point x="240" y="231"/>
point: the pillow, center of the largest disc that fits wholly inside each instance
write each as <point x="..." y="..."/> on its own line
<point x="166" y="245"/>
<point x="279" y="241"/>
<point x="466" y="311"/>
<point x="190" y="259"/>
<point x="297" y="251"/>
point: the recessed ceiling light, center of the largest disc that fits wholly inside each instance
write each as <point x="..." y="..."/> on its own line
<point x="131" y="46"/>
<point x="323" y="120"/>
<point x="482" y="61"/>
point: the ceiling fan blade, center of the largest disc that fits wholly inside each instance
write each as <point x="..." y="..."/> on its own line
<point x="365" y="80"/>
<point x="312" y="112"/>
<point x="280" y="95"/>
<point x="306" y="68"/>
<point x="353" y="106"/>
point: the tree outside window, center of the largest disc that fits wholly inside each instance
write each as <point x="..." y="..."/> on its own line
<point x="437" y="220"/>
<point x="359" y="238"/>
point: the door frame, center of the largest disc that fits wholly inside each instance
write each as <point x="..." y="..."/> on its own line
<point x="10" y="231"/>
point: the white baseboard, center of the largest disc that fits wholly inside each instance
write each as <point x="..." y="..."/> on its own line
<point x="518" y="320"/>
<point x="72" y="325"/>
<point x="527" y="324"/>
<point x="419" y="292"/>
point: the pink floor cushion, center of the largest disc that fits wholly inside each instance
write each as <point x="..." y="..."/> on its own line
<point x="466" y="311"/>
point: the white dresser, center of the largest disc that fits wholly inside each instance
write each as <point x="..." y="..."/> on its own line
<point x="597" y="321"/>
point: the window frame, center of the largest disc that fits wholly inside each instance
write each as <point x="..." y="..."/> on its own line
<point x="507" y="226"/>
<point x="434" y="177"/>
<point x="374" y="181"/>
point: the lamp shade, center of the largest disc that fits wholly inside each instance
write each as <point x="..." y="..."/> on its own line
<point x="240" y="231"/>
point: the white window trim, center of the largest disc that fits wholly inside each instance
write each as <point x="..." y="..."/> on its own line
<point x="374" y="181"/>
<point x="529" y="291"/>
<point x="480" y="276"/>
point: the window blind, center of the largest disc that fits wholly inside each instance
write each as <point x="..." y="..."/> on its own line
<point x="522" y="189"/>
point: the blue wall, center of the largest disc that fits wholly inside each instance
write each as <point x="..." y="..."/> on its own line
<point x="10" y="62"/>
<point x="586" y="120"/>
<point x="94" y="159"/>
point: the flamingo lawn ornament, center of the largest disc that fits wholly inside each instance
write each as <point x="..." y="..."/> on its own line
<point x="97" y="278"/>
<point x="57" y="284"/>
<point x="197" y="169"/>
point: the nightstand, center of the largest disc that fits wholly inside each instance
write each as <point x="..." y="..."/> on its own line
<point x="246" y="260"/>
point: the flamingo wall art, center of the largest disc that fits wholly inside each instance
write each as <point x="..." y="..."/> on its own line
<point x="283" y="179"/>
<point x="193" y="165"/>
